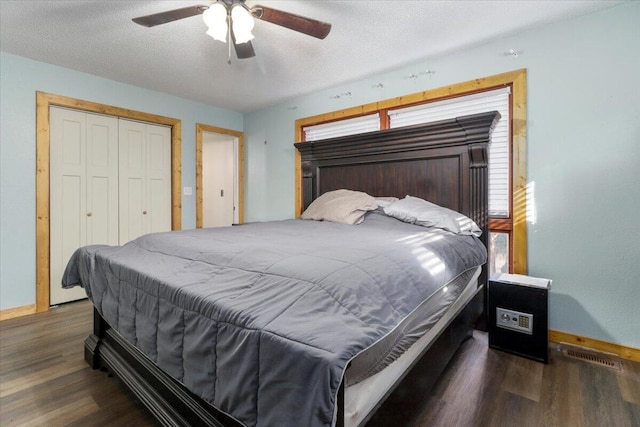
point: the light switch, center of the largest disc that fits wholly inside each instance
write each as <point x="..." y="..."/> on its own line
<point x="187" y="191"/>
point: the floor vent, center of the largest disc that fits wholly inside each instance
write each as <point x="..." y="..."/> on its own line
<point x="607" y="360"/>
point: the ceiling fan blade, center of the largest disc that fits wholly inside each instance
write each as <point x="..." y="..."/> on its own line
<point x="244" y="50"/>
<point x="169" y="16"/>
<point x="311" y="27"/>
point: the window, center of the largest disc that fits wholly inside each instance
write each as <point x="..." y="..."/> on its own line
<point x="505" y="93"/>
<point x="343" y="127"/>
<point x="493" y="100"/>
<point x="499" y="250"/>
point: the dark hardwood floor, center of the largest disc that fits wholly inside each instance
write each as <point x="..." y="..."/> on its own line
<point x="44" y="381"/>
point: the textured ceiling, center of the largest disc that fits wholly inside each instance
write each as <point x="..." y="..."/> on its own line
<point x="367" y="37"/>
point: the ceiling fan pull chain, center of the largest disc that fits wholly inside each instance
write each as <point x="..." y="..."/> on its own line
<point x="229" y="41"/>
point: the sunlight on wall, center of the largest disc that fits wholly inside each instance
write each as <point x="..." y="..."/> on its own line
<point x="532" y="212"/>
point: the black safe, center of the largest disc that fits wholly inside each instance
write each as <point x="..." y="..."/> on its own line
<point x="518" y="315"/>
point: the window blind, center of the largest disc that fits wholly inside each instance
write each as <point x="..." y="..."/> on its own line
<point x="498" y="149"/>
<point x="345" y="127"/>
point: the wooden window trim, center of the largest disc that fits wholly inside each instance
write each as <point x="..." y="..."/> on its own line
<point x="500" y="224"/>
<point x="517" y="80"/>
<point x="43" y="102"/>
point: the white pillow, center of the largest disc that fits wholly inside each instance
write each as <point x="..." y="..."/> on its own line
<point x="383" y="202"/>
<point x="341" y="206"/>
<point x="418" y="211"/>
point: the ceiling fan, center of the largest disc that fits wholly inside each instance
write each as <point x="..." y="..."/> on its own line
<point x="235" y="20"/>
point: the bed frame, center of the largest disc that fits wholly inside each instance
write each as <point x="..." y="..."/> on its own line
<point x="444" y="162"/>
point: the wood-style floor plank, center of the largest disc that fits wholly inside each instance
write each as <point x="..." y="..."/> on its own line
<point x="629" y="382"/>
<point x="560" y="401"/>
<point x="45" y="381"/>
<point x="523" y="378"/>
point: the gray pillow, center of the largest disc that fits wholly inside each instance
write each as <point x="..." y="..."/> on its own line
<point x="341" y="206"/>
<point x="418" y="211"/>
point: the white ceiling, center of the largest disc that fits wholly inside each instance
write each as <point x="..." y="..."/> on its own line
<point x="367" y="38"/>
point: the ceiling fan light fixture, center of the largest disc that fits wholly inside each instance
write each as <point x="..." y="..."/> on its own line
<point x="242" y="23"/>
<point x="218" y="33"/>
<point x="215" y="17"/>
<point x="232" y="22"/>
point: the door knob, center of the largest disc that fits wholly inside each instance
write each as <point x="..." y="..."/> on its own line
<point x="89" y="214"/>
<point x="144" y="212"/>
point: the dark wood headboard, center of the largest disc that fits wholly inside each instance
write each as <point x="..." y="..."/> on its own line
<point x="444" y="162"/>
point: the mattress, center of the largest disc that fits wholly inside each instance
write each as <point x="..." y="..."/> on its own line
<point x="362" y="398"/>
<point x="377" y="356"/>
<point x="261" y="320"/>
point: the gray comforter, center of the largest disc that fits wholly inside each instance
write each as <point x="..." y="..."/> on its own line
<point x="261" y="319"/>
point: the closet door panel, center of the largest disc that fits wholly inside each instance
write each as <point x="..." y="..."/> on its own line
<point x="134" y="221"/>
<point x="99" y="227"/>
<point x="132" y="185"/>
<point x="158" y="217"/>
<point x="102" y="180"/>
<point x="72" y="230"/>
<point x="67" y="200"/>
<point x="145" y="179"/>
<point x="159" y="178"/>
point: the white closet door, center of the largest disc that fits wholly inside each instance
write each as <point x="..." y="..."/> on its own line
<point x="145" y="179"/>
<point x="158" y="178"/>
<point x="83" y="190"/>
<point x="102" y="180"/>
<point x="131" y="153"/>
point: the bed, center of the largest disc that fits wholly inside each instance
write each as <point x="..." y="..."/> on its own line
<point x="311" y="355"/>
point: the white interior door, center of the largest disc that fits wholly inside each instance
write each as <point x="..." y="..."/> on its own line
<point x="219" y="195"/>
<point x="83" y="190"/>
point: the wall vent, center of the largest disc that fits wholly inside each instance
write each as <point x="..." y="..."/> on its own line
<point x="607" y="360"/>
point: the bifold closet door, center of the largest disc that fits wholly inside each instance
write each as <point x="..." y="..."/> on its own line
<point x="83" y="190"/>
<point x="145" y="179"/>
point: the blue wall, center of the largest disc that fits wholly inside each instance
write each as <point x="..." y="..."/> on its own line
<point x="20" y="79"/>
<point x="583" y="157"/>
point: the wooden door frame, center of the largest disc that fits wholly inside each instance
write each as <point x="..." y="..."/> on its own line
<point x="43" y="102"/>
<point x="200" y="128"/>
